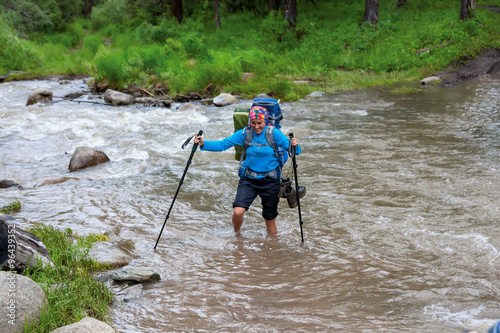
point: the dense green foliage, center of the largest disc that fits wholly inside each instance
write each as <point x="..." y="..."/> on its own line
<point x="72" y="294"/>
<point x="130" y="42"/>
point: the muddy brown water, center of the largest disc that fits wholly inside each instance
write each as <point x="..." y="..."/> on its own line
<point x="400" y="217"/>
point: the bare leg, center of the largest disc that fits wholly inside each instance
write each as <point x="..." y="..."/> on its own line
<point x="238" y="218"/>
<point x="271" y="226"/>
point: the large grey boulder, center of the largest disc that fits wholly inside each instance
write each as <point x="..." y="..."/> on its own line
<point x="118" y="98"/>
<point x="225" y="99"/>
<point x="86" y="325"/>
<point x="85" y="157"/>
<point x="20" y="249"/>
<point x="40" y="95"/>
<point x="21" y="299"/>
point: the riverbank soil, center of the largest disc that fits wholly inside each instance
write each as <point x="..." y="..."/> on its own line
<point x="487" y="64"/>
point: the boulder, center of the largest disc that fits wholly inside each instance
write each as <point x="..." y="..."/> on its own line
<point x="145" y="100"/>
<point x="429" y="80"/>
<point x="107" y="254"/>
<point x="225" y="99"/>
<point x="5" y="183"/>
<point x="40" y="95"/>
<point x="85" y="157"/>
<point x="86" y="325"/>
<point x="189" y="107"/>
<point x="263" y="95"/>
<point x="207" y="101"/>
<point x="315" y="94"/>
<point x="135" y="274"/>
<point x="21" y="299"/>
<point x="27" y="249"/>
<point x="74" y="95"/>
<point x="118" y="98"/>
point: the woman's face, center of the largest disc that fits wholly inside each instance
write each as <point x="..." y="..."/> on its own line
<point x="257" y="125"/>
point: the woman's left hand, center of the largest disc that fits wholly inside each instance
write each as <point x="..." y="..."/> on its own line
<point x="295" y="143"/>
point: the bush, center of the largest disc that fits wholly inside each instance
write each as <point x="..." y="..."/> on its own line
<point x="110" y="12"/>
<point x="15" y="53"/>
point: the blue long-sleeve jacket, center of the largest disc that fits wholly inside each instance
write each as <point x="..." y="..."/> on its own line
<point x="260" y="159"/>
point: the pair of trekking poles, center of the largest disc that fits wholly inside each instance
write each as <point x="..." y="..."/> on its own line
<point x="291" y="153"/>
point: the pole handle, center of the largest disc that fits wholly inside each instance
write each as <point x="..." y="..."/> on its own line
<point x="291" y="148"/>
<point x="195" y="146"/>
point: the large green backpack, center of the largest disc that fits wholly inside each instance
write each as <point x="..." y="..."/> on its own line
<point x="241" y="120"/>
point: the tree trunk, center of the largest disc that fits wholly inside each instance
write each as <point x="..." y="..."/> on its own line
<point x="176" y="10"/>
<point x="371" y="11"/>
<point x="401" y="3"/>
<point x="87" y="8"/>
<point x="216" y="13"/>
<point x="291" y="12"/>
<point x="467" y="8"/>
<point x="273" y="5"/>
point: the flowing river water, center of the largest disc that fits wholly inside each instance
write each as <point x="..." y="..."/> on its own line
<point x="400" y="217"/>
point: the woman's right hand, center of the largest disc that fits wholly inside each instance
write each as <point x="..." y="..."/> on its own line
<point x="199" y="140"/>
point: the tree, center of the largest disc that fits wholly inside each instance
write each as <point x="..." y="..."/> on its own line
<point x="176" y="10"/>
<point x="87" y="8"/>
<point x="371" y="11"/>
<point x="216" y="13"/>
<point x="467" y="8"/>
<point x="291" y="12"/>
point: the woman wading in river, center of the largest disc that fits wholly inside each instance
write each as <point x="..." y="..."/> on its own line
<point x="260" y="172"/>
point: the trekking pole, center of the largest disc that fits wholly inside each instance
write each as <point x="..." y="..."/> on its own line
<point x="291" y="152"/>
<point x="180" y="183"/>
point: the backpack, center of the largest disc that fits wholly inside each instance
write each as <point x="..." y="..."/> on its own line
<point x="241" y="120"/>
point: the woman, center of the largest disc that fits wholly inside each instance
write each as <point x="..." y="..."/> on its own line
<point x="260" y="171"/>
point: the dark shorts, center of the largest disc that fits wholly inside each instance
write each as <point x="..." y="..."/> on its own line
<point x="266" y="188"/>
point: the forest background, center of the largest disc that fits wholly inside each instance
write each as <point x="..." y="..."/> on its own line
<point x="284" y="48"/>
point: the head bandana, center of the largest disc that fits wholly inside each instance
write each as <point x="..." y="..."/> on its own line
<point x="259" y="113"/>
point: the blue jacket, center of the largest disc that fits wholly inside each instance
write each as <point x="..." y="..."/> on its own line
<point x="259" y="159"/>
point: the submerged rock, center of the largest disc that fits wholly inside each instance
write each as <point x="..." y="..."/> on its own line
<point x="40" y="95"/>
<point x="135" y="274"/>
<point x="6" y="183"/>
<point x="107" y="254"/>
<point x="85" y="157"/>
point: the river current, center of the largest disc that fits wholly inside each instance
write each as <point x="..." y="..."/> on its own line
<point x="400" y="217"/>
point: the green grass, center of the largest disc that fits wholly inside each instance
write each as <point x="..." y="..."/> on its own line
<point x="14" y="207"/>
<point x="330" y="44"/>
<point x="72" y="294"/>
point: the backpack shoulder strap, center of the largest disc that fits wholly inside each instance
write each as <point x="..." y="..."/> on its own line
<point x="248" y="142"/>
<point x="270" y="138"/>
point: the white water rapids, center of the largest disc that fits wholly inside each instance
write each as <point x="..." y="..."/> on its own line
<point x="400" y="217"/>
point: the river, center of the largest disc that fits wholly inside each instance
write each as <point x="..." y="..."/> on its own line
<point x="400" y="216"/>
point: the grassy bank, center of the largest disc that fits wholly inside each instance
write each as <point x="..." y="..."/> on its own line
<point x="71" y="293"/>
<point x="330" y="46"/>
